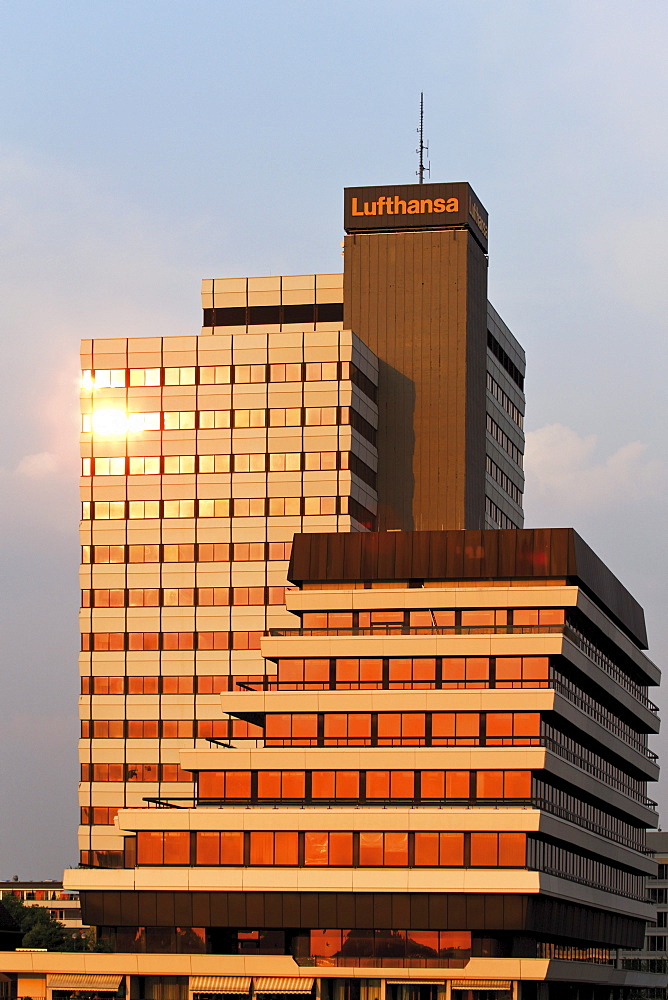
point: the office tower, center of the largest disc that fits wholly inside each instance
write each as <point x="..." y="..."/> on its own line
<point x="451" y="375"/>
<point x="202" y="456"/>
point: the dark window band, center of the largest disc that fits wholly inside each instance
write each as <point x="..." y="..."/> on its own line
<point x="309" y="313"/>
<point x="505" y="361"/>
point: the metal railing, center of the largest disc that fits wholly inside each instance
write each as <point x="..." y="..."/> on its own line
<point x="582" y="642"/>
<point x="602" y="660"/>
<point x="586" y="765"/>
<point x="383" y="630"/>
<point x="602" y="717"/>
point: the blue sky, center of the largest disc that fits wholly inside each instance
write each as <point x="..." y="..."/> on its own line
<point x="146" y="145"/>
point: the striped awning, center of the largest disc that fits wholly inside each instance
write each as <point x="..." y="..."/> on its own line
<point x="67" y="981"/>
<point x="481" y="984"/>
<point x="282" y="984"/>
<point x="220" y="984"/>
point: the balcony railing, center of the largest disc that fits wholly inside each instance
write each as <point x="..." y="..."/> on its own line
<point x="341" y="961"/>
<point x="383" y="630"/>
<point x="593" y="653"/>
<point x="586" y="765"/>
<point x="570" y="632"/>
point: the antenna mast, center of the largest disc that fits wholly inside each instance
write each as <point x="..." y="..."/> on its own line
<point x="423" y="147"/>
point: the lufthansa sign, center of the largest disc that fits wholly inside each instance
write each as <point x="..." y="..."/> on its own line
<point x="414" y="206"/>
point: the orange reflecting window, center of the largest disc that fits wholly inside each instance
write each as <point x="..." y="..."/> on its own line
<point x="340" y="848"/>
<point x="273" y="847"/>
<point x="426" y="849"/>
<point x="412" y="725"/>
<point x="359" y="726"/>
<point x="149" y="847"/>
<point x="232" y="848"/>
<point x="174" y="772"/>
<point x="389" y="726"/>
<point x="237" y="785"/>
<point x="177" y="728"/>
<point x="508" y="668"/>
<point x="552" y="616"/>
<point x="489" y="785"/>
<point x="347" y="784"/>
<point x="176" y="847"/>
<point x="420" y="618"/>
<point x="395" y="848"/>
<point x="512" y="850"/>
<point x="286" y="847"/>
<point x="527" y="724"/>
<point x="402" y="784"/>
<point x="387" y="617"/>
<point x="314" y="619"/>
<point x="536" y="667"/>
<point x="451" y="846"/>
<point x="212" y="683"/>
<point x="370" y="848"/>
<point x="336" y="726"/>
<point x="499" y="727"/>
<point x="432" y="785"/>
<point x="467" y="726"/>
<point x="525" y="616"/>
<point x="454" y="671"/>
<point x="477" y="671"/>
<point x="177" y="685"/>
<point x="269" y="784"/>
<point x="517" y="785"/>
<point x="304" y="726"/>
<point x="442" y="727"/>
<point x="293" y="785"/>
<point x="316" y="848"/>
<point x="424" y="670"/>
<point x="483" y="617"/>
<point x="457" y="784"/>
<point x="212" y="784"/>
<point x="316" y="671"/>
<point x="323" y="785"/>
<point x="400" y="670"/>
<point x="377" y="784"/>
<point x="484" y="849"/>
<point x="207" y="847"/>
<point x="290" y="671"/>
<point x="261" y="847"/>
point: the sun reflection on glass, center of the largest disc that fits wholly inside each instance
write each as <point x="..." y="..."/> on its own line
<point x="113" y="423"/>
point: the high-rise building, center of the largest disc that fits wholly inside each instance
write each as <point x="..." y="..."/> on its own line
<point x="404" y="758"/>
<point x="202" y="457"/>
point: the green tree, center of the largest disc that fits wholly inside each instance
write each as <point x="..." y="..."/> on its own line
<point x="42" y="930"/>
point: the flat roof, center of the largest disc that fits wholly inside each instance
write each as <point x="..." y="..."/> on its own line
<point x="459" y="555"/>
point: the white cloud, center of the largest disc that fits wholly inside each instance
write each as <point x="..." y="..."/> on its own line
<point x="36" y="466"/>
<point x="566" y="477"/>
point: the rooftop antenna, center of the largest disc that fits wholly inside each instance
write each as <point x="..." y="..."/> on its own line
<point x="423" y="148"/>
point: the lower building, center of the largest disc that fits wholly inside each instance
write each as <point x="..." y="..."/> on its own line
<point x="446" y="797"/>
<point x="62" y="904"/>
<point x="654" y="956"/>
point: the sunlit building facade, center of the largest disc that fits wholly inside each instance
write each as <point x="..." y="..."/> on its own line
<point x="202" y="456"/>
